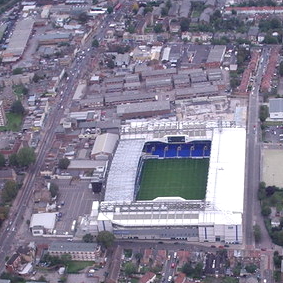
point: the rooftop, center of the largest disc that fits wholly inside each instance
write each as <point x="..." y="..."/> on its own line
<point x="72" y="247"/>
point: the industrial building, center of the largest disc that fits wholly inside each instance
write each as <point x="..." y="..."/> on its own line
<point x="18" y="41"/>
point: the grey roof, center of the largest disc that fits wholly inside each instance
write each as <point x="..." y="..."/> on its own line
<point x="132" y="78"/>
<point x="205" y="90"/>
<point x="105" y="143"/>
<point x="5" y="281"/>
<point x="275" y="105"/>
<point x="51" y="36"/>
<point x="151" y="82"/>
<point x="122" y="59"/>
<point x="216" y="53"/>
<point x="112" y="80"/>
<point x="108" y="124"/>
<point x="86" y="164"/>
<point x="143" y="107"/>
<point x="71" y="247"/>
<point x="253" y="31"/>
<point x="20" y="37"/>
<point x="161" y="73"/>
<point x="133" y="97"/>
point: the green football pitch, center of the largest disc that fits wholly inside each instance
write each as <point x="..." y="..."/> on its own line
<point x="185" y="178"/>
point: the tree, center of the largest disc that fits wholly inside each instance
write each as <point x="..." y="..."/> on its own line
<point x="198" y="270"/>
<point x="164" y="11"/>
<point x="88" y="238"/>
<point x="66" y="258"/>
<point x="2" y="160"/>
<point x="54" y="189"/>
<point x="9" y="191"/>
<point x="17" y="71"/>
<point x="187" y="269"/>
<point x="277" y="275"/>
<point x="281" y="69"/>
<point x="185" y="24"/>
<point x="277" y="259"/>
<point x="95" y="43"/>
<point x="158" y="28"/>
<point x="265" y="211"/>
<point x="270" y="190"/>
<point x="105" y="238"/>
<point x="130" y="268"/>
<point x="270" y="39"/>
<point x="110" y="10"/>
<point x="26" y="156"/>
<point x="138" y="257"/>
<point x="64" y="163"/>
<point x="17" y="108"/>
<point x="168" y="4"/>
<point x="83" y="17"/>
<point x="110" y="64"/>
<point x="251" y="268"/>
<point x="263" y="113"/>
<point x="257" y="233"/>
<point x="13" y="160"/>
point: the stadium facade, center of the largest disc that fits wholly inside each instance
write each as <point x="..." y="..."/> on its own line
<point x="217" y="217"/>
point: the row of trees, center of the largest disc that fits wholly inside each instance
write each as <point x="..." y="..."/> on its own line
<point x="105" y="238"/>
<point x="24" y="158"/>
<point x="271" y="196"/>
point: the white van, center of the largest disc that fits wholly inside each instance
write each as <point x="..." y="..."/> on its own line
<point x="170" y="278"/>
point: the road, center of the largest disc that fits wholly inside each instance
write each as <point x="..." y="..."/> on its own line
<point x="76" y="71"/>
<point x="252" y="214"/>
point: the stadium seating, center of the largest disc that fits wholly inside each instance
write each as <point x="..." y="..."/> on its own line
<point x="195" y="149"/>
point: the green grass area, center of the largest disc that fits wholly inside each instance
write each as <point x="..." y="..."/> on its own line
<point x="195" y="14"/>
<point x="185" y="178"/>
<point x="20" y="90"/>
<point x="76" y="266"/>
<point x="14" y="122"/>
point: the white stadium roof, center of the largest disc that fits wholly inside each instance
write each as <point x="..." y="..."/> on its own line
<point x="226" y="177"/>
<point x="122" y="176"/>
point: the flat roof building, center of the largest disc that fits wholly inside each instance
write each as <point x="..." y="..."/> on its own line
<point x="146" y="109"/>
<point x="77" y="251"/>
<point x="276" y="108"/>
<point x="18" y="41"/>
<point x="104" y="146"/>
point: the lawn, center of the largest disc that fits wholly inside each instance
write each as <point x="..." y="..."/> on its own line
<point x="19" y="90"/>
<point x="14" y="122"/>
<point x="76" y="266"/>
<point x="185" y="178"/>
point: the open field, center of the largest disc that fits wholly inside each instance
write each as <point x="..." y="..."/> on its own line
<point x="13" y="124"/>
<point x="271" y="167"/>
<point x="76" y="266"/>
<point x="185" y="178"/>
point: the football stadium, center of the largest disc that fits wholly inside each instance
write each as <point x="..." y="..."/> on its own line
<point x="176" y="180"/>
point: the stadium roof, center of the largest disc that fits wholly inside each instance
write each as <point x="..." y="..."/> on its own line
<point x="226" y="177"/>
<point x="122" y="175"/>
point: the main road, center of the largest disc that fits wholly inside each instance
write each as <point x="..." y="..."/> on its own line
<point x="9" y="229"/>
<point x="253" y="153"/>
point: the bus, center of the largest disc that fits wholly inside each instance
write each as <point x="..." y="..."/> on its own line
<point x="73" y="225"/>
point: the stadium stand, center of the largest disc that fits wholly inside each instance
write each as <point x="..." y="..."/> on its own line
<point x="195" y="149"/>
